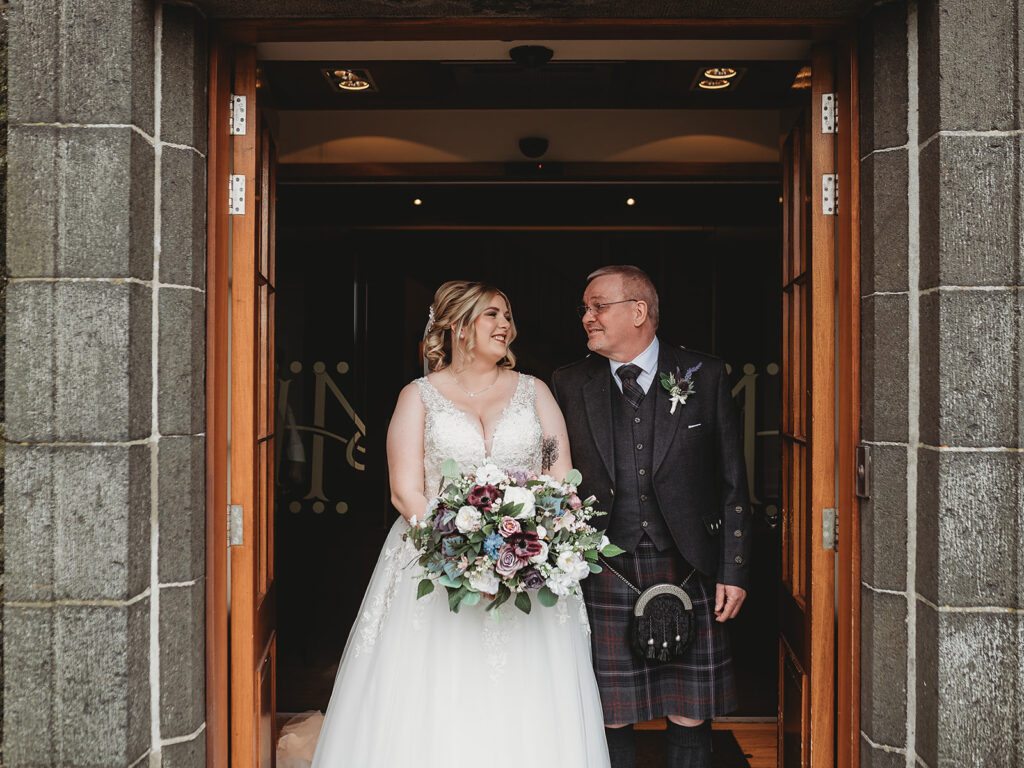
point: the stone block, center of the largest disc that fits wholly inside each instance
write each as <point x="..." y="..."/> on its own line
<point x="29" y="736"/>
<point x="883" y="530"/>
<point x="971" y="211"/>
<point x="182" y="486"/>
<point x="182" y="659"/>
<point x="883" y="378"/>
<point x="77" y="522"/>
<point x="873" y="757"/>
<point x="101" y="686"/>
<point x="85" y="203"/>
<point x="182" y="217"/>
<point x="83" y="63"/>
<point x="883" y="223"/>
<point x="960" y="89"/>
<point x="883" y="664"/>
<point x="969" y="528"/>
<point x="185" y="754"/>
<point x="182" y="364"/>
<point x="183" y="103"/>
<point x="883" y="77"/>
<point x="969" y="709"/>
<point x="78" y="361"/>
<point x="970" y="368"/>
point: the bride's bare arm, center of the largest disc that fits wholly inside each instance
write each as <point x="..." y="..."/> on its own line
<point x="405" y="453"/>
<point x="556" y="459"/>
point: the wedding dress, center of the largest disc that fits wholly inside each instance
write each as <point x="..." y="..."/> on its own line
<point x="421" y="687"/>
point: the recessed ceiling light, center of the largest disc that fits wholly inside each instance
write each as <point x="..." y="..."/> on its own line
<point x="630" y="201"/>
<point x="417" y="201"/>
<point x="803" y="78"/>
<point x="344" y="79"/>
<point x="713" y="85"/>
<point x="719" y="73"/>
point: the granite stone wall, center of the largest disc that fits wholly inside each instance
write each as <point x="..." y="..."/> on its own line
<point x="104" y="504"/>
<point x="942" y="617"/>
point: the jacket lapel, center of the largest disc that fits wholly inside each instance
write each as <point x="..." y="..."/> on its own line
<point x="598" y="405"/>
<point x="665" y="424"/>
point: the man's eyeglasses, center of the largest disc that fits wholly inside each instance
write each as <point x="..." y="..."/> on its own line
<point x="597" y="309"/>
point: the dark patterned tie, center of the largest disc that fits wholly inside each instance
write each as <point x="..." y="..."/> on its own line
<point x="630" y="389"/>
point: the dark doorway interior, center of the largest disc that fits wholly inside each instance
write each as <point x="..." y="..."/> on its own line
<point x="357" y="266"/>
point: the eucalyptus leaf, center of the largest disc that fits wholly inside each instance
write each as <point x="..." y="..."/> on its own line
<point x="591" y="555"/>
<point x="451" y="583"/>
<point x="523" y="602"/>
<point x="595" y="568"/>
<point x="471" y="598"/>
<point x="612" y="550"/>
<point x="450" y="469"/>
<point x="573" y="477"/>
<point x="502" y="596"/>
<point x="425" y="587"/>
<point x="546" y="597"/>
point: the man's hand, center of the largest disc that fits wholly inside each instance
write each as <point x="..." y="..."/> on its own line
<point x="728" y="600"/>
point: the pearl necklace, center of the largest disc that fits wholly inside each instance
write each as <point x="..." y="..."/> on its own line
<point x="497" y="375"/>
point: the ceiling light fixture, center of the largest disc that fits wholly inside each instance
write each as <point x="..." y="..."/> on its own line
<point x="344" y="79"/>
<point x="719" y="73"/>
<point x="630" y="201"/>
<point x="803" y="78"/>
<point x="417" y="201"/>
<point x="713" y="85"/>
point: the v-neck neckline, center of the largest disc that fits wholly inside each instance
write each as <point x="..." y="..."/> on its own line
<point x="474" y="421"/>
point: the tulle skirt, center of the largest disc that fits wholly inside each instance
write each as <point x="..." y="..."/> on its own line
<point x="422" y="687"/>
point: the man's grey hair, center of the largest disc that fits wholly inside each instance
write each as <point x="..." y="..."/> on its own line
<point x="637" y="284"/>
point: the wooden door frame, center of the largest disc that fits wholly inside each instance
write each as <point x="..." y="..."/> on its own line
<point x="224" y="35"/>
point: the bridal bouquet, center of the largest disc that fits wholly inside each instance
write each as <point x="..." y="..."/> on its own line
<point x="501" y="533"/>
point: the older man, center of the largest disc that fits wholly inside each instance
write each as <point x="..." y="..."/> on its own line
<point x="668" y="466"/>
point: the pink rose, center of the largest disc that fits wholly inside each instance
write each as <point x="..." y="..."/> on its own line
<point x="574" y="502"/>
<point x="566" y="521"/>
<point x="508" y="525"/>
<point x="508" y="564"/>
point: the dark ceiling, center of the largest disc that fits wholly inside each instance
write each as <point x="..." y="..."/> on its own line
<point x="301" y="85"/>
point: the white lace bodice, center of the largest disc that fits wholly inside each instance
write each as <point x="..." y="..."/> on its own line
<point x="449" y="433"/>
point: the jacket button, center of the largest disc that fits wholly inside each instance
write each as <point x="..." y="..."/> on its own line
<point x="643" y="497"/>
<point x="644" y="523"/>
<point x="643" y="471"/>
<point x="639" y="446"/>
<point x="636" y="419"/>
<point x="739" y="509"/>
<point x="611" y="491"/>
<point x="737" y="534"/>
<point x="739" y="559"/>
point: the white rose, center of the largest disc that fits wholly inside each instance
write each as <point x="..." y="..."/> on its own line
<point x="468" y="519"/>
<point x="560" y="583"/>
<point x="573" y="565"/>
<point x="542" y="556"/>
<point x="605" y="541"/>
<point x="522" y="496"/>
<point x="484" y="580"/>
<point x="489" y="474"/>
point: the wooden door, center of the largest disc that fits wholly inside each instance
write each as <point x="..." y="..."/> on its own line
<point x="252" y="609"/>
<point x="807" y="593"/>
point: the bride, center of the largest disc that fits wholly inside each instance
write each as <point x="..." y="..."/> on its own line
<point x="419" y="686"/>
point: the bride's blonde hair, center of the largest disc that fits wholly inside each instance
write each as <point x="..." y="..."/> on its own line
<point x="460" y="303"/>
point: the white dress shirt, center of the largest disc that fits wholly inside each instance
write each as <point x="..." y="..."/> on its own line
<point x="647" y="361"/>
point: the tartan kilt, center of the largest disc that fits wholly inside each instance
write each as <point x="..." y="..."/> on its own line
<point x="700" y="685"/>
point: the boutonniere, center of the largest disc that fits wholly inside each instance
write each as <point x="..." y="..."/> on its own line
<point x="679" y="385"/>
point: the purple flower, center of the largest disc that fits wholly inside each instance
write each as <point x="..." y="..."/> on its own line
<point x="531" y="578"/>
<point x="508" y="564"/>
<point x="444" y="521"/>
<point x="482" y="496"/>
<point x="519" y="477"/>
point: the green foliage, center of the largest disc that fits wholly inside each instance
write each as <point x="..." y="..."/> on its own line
<point x="612" y="550"/>
<point x="425" y="587"/>
<point x="546" y="597"/>
<point x="523" y="602"/>
<point x="573" y="477"/>
<point x="450" y="469"/>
